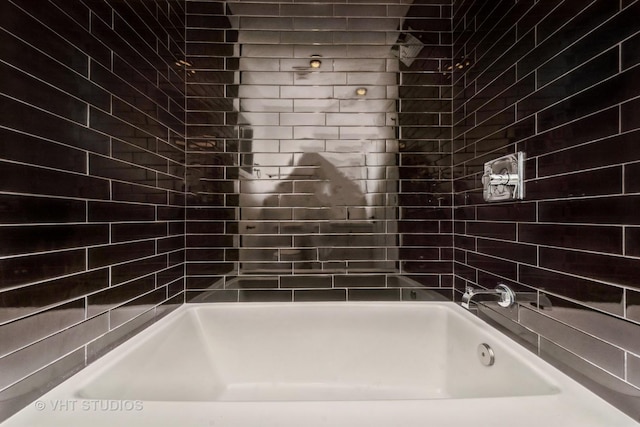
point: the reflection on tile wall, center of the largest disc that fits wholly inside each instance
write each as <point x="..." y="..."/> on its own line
<point x="275" y="147"/>
<point x="91" y="182"/>
<point x="559" y="81"/>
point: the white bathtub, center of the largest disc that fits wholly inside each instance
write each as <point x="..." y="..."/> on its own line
<point x="319" y="364"/>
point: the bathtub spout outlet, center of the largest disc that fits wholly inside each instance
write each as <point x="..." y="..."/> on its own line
<point x="506" y="297"/>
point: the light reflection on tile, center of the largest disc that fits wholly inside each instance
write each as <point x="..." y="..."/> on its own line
<point x="602" y="354"/>
<point x="26" y="361"/>
<point x="19" y="395"/>
<point x="23" y="332"/>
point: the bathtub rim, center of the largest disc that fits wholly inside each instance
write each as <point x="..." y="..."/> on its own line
<point x="571" y="394"/>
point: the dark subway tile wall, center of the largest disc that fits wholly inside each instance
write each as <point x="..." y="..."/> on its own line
<point x="568" y="72"/>
<point x="128" y="169"/>
<point x="92" y="130"/>
<point x="212" y="150"/>
<point x="254" y="111"/>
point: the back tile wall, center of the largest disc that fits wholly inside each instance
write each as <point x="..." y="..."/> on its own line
<point x="558" y="80"/>
<point x="215" y="148"/>
<point x="91" y="182"/>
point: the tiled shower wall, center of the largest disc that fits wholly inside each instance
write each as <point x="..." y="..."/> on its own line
<point x="229" y="231"/>
<point x="92" y="166"/>
<point x="91" y="182"/>
<point x="559" y="81"/>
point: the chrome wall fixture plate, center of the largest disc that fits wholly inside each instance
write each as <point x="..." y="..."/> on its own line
<point x="503" y="178"/>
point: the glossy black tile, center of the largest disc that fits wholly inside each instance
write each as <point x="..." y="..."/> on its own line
<point x="209" y="268"/>
<point x="599" y="352"/>
<point x="23" y="148"/>
<point x="587" y="237"/>
<point x="508" y="50"/>
<point x="610" y="33"/>
<point x="138" y="193"/>
<point x="374" y="294"/>
<point x="618" y="393"/>
<point x="590" y="292"/>
<point x="597" y="69"/>
<point x="590" y="128"/>
<point x="27" y="330"/>
<point x="279" y="295"/>
<point x="32" y="268"/>
<point x="306" y="295"/>
<point x="109" y="168"/>
<point x="505" y="230"/>
<point x="610" y="268"/>
<point x="71" y="31"/>
<point x="207" y="255"/>
<point x="114" y="211"/>
<point x="23" y="301"/>
<point x="21" y="117"/>
<point x="24" y="392"/>
<point x="138" y="118"/>
<point x="491" y="264"/>
<point x="42" y="238"/>
<point x="211" y="296"/>
<point x="427" y="240"/>
<point x="305" y="282"/>
<point x="416" y="267"/>
<point x="611" y="329"/>
<point x="426" y="294"/>
<point x="599" y="97"/>
<point x="120" y="129"/>
<point x="44" y="352"/>
<point x="134" y="308"/>
<point x="114" y="337"/>
<point x="420" y="253"/>
<point x="79" y="13"/>
<point x="590" y="183"/>
<point x="137" y="231"/>
<point x="595" y="154"/>
<point x="507" y="212"/>
<point x="114" y="254"/>
<point x="632" y="241"/>
<point x="30" y="209"/>
<point x="348" y="281"/>
<point x="138" y="268"/>
<point x="629" y="115"/>
<point x="518" y="252"/>
<point x="577" y="26"/>
<point x="207" y="241"/>
<point x="107" y="299"/>
<point x="631" y="51"/>
<point x="27" y="28"/>
<point x="27" y="179"/>
<point x="632" y="302"/>
<point x="27" y="58"/>
<point x="631" y="174"/>
<point x="171" y="275"/>
<point x="598" y="210"/>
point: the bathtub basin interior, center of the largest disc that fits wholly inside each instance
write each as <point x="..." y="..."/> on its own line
<point x="316" y="352"/>
<point x="404" y="364"/>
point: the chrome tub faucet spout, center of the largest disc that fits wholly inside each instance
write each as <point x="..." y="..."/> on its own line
<point x="506" y="297"/>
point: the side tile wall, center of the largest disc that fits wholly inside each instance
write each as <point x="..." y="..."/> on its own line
<point x="560" y="82"/>
<point x="91" y="182"/>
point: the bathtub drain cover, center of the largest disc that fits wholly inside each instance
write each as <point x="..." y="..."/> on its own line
<point x="486" y="355"/>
